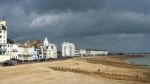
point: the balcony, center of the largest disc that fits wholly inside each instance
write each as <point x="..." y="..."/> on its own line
<point x="2" y="42"/>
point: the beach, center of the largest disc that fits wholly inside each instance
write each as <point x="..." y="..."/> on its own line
<point x="86" y="70"/>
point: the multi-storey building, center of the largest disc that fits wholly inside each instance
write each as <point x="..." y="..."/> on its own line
<point x="3" y="37"/>
<point x="50" y="50"/>
<point x="96" y="52"/>
<point x="12" y="50"/>
<point x="27" y="53"/>
<point x="80" y="52"/>
<point x="68" y="49"/>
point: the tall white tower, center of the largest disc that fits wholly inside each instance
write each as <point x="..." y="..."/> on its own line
<point x="46" y="42"/>
<point x="3" y="32"/>
<point x="68" y="49"/>
<point x="3" y="36"/>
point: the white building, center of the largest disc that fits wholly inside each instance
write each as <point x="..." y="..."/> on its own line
<point x="50" y="50"/>
<point x="3" y="37"/>
<point x="96" y="52"/>
<point x="23" y="53"/>
<point x="33" y="54"/>
<point x="41" y="52"/>
<point x="27" y="53"/>
<point x="45" y="42"/>
<point x="80" y="52"/>
<point x="12" y="50"/>
<point x="3" y="32"/>
<point x="68" y="49"/>
<point x="3" y="41"/>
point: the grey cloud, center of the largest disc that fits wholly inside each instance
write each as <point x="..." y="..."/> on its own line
<point x="115" y="25"/>
<point x="45" y="6"/>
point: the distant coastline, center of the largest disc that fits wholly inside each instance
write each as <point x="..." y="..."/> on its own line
<point x="135" y="56"/>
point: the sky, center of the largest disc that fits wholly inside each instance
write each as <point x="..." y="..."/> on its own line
<point x="114" y="25"/>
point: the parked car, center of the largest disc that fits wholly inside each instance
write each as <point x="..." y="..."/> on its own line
<point x="18" y="61"/>
<point x="9" y="63"/>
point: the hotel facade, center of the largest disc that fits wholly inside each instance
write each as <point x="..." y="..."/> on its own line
<point x="3" y="37"/>
<point x="68" y="49"/>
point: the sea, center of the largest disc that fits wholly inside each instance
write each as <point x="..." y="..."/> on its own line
<point x="140" y="60"/>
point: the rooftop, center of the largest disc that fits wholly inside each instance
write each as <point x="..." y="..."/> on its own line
<point x="2" y="27"/>
<point x="95" y="50"/>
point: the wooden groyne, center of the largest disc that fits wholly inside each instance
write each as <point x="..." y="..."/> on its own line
<point x="98" y="72"/>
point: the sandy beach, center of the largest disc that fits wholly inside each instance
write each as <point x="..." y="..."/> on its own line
<point x="87" y="70"/>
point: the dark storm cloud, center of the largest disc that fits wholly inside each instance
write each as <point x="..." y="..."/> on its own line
<point x="45" y="6"/>
<point x="64" y="5"/>
<point x="117" y="25"/>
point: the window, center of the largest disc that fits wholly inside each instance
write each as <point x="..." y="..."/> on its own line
<point x="52" y="47"/>
<point x="0" y="36"/>
<point x="0" y="26"/>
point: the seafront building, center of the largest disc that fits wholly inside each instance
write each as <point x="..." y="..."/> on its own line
<point x="68" y="49"/>
<point x="80" y="52"/>
<point x="3" y="37"/>
<point x="36" y="50"/>
<point x="27" y="53"/>
<point x="90" y="52"/>
<point x="96" y="52"/>
<point x="3" y="41"/>
<point x="49" y="50"/>
<point x="12" y="51"/>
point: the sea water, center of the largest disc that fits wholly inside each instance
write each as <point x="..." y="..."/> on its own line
<point x="141" y="60"/>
